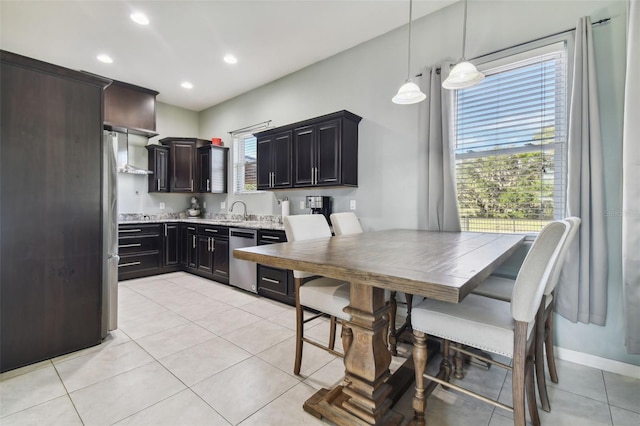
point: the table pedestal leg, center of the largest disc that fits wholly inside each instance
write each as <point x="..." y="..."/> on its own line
<point x="364" y="398"/>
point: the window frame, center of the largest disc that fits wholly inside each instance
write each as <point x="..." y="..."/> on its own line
<point x="237" y="138"/>
<point x="509" y="56"/>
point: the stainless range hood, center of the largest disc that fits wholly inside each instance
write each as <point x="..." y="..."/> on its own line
<point x="121" y="142"/>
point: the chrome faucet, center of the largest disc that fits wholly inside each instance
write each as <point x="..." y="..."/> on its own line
<point x="245" y="208"/>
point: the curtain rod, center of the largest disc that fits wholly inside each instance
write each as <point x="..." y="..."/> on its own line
<point x="602" y="21"/>
<point x="262" y="123"/>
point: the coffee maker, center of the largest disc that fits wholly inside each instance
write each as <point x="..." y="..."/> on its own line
<point x="319" y="205"/>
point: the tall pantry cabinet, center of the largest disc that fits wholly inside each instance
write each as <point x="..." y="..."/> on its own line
<point x="51" y="210"/>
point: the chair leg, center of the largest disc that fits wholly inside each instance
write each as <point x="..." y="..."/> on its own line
<point x="548" y="345"/>
<point x="420" y="365"/>
<point x="332" y="333"/>
<point x="539" y="361"/>
<point x="445" y="364"/>
<point x="519" y="367"/>
<point x="393" y="309"/>
<point x="299" y="329"/>
<point x="530" y="392"/>
<point x="458" y="363"/>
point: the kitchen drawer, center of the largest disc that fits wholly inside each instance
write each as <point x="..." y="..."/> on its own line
<point x="138" y="244"/>
<point x="266" y="236"/>
<point x="276" y="284"/>
<point x="135" y="264"/>
<point x="214" y="231"/>
<point x="139" y="229"/>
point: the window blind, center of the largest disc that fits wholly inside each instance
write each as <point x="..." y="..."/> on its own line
<point x="510" y="133"/>
<point x="245" y="163"/>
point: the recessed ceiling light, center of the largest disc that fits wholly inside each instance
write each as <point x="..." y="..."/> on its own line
<point x="104" y="58"/>
<point x="187" y="85"/>
<point x="230" y="59"/>
<point x="140" y="18"/>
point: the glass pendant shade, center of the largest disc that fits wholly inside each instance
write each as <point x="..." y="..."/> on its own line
<point x="409" y="93"/>
<point x="463" y="75"/>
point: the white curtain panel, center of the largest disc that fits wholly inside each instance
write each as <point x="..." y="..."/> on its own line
<point x="630" y="186"/>
<point x="582" y="292"/>
<point x="442" y="201"/>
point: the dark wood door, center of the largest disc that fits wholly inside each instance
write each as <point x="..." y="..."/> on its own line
<point x="203" y="166"/>
<point x="171" y="244"/>
<point x="221" y="257"/>
<point x="182" y="170"/>
<point x="264" y="161"/>
<point x="327" y="153"/>
<point x="304" y="155"/>
<point x="51" y="222"/>
<point x="205" y="253"/>
<point x="192" y="248"/>
<point x="281" y="160"/>
<point x="159" y="165"/>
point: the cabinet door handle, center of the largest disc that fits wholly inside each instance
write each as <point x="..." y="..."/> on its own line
<point x="192" y="184"/>
<point x="129" y="264"/>
<point x="165" y="230"/>
<point x="130" y="230"/>
<point x="194" y="241"/>
<point x="208" y="185"/>
<point x="316" y="175"/>
<point x="269" y="280"/>
<point x="158" y="184"/>
<point x="129" y="245"/>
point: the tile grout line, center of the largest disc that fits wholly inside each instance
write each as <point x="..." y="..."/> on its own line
<point x="68" y="393"/>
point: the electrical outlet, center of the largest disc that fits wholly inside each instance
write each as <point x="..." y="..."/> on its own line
<point x="161" y="206"/>
<point x="223" y="205"/>
<point x="301" y="205"/>
<point x="204" y="205"/>
<point x="352" y="204"/>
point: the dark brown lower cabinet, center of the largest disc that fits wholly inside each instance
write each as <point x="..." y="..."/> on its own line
<point x="275" y="283"/>
<point x="51" y="222"/>
<point x="140" y="250"/>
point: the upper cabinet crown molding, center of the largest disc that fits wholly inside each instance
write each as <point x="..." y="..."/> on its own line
<point x="130" y="107"/>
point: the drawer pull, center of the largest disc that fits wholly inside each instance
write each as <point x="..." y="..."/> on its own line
<point x="212" y="230"/>
<point x="129" y="264"/>
<point x="270" y="237"/>
<point x="130" y="230"/>
<point x="191" y="228"/>
<point x="129" y="245"/>
<point x="269" y="280"/>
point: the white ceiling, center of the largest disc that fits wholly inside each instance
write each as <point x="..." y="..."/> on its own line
<point x="186" y="40"/>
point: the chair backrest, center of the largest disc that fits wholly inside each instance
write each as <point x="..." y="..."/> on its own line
<point x="574" y="225"/>
<point x="305" y="227"/>
<point x="345" y="223"/>
<point x="536" y="270"/>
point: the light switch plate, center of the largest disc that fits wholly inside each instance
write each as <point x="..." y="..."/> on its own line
<point x="161" y="206"/>
<point x="301" y="205"/>
<point x="223" y="205"/>
<point x="352" y="204"/>
<point x="204" y="205"/>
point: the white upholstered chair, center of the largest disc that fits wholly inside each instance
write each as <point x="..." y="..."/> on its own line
<point x="492" y="325"/>
<point x="345" y="223"/>
<point x="325" y="295"/>
<point x="502" y="288"/>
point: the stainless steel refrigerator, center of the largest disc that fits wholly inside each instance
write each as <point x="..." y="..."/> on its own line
<point x="110" y="233"/>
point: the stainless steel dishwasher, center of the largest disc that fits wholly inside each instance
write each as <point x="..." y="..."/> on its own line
<point x="242" y="273"/>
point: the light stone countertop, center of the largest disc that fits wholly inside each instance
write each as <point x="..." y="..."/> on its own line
<point x="232" y="223"/>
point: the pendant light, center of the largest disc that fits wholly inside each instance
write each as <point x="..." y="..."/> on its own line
<point x="464" y="74"/>
<point x="409" y="92"/>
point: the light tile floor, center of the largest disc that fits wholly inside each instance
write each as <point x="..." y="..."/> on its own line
<point x="190" y="351"/>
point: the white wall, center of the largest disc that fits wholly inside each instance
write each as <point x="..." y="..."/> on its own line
<point x="391" y="144"/>
<point x="133" y="196"/>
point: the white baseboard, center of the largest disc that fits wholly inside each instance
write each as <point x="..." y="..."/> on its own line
<point x="605" y="364"/>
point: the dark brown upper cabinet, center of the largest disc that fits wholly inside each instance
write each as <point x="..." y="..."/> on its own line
<point x="183" y="170"/>
<point x="130" y="107"/>
<point x="211" y="169"/>
<point x="274" y="160"/>
<point x="322" y="151"/>
<point x="159" y="165"/>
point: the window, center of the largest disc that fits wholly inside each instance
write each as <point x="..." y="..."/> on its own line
<point x="245" y="164"/>
<point x="510" y="133"/>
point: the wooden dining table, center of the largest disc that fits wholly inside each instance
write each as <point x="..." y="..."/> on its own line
<point x="440" y="265"/>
